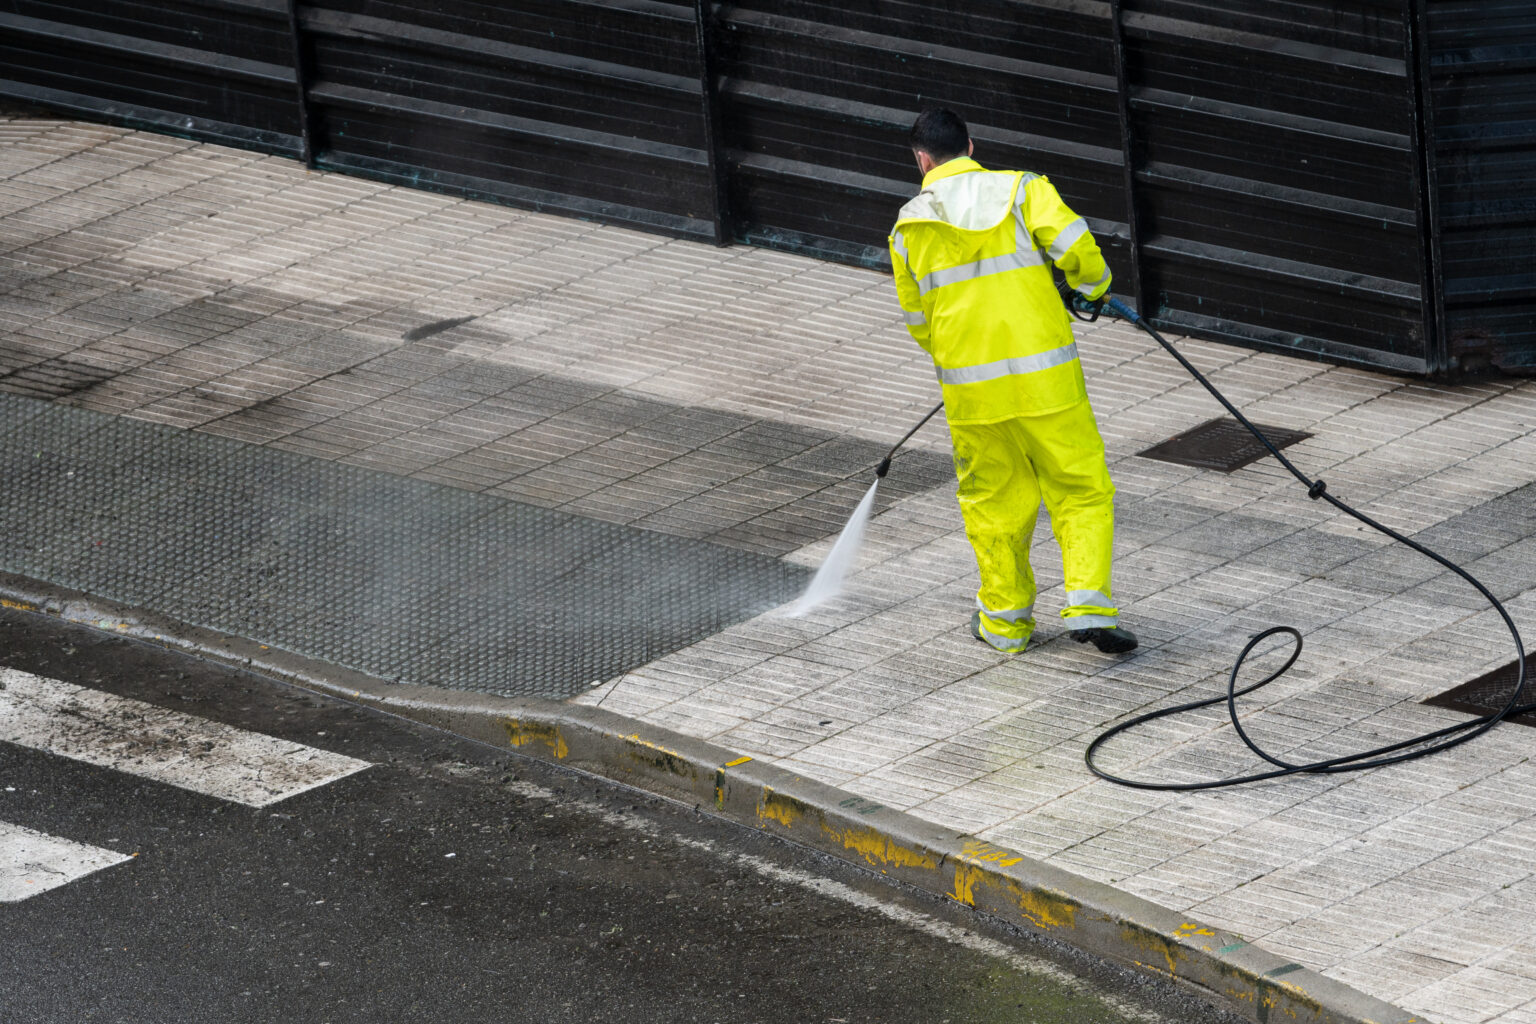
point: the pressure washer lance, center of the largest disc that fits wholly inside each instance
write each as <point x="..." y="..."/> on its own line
<point x="885" y="463"/>
<point x="1404" y="750"/>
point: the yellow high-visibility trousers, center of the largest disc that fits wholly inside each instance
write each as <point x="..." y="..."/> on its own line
<point x="1005" y="469"/>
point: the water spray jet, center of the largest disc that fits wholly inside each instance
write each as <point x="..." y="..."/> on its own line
<point x="829" y="579"/>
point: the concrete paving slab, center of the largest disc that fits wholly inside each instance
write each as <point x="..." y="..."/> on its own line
<point x="733" y="396"/>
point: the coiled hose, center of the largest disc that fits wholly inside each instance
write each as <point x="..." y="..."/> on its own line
<point x="1404" y="750"/>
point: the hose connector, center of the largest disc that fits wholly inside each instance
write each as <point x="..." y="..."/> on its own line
<point x="1316" y="490"/>
<point x="1122" y="309"/>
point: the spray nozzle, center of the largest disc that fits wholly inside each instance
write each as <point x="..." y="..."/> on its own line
<point x="883" y="468"/>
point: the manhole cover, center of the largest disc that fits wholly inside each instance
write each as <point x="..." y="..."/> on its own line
<point x="1222" y="443"/>
<point x="1487" y="693"/>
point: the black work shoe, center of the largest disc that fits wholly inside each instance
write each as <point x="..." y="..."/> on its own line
<point x="1110" y="640"/>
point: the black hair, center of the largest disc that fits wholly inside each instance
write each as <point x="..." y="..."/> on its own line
<point x="941" y="133"/>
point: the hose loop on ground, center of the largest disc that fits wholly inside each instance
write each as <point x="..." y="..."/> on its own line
<point x="1375" y="757"/>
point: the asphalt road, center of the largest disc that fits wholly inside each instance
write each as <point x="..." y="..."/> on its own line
<point x="448" y="881"/>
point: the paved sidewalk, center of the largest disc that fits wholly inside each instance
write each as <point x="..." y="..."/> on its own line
<point x="735" y="399"/>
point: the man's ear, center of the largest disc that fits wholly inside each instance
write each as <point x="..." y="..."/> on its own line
<point x="970" y="150"/>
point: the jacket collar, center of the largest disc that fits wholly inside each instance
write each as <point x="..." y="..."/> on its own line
<point x="959" y="165"/>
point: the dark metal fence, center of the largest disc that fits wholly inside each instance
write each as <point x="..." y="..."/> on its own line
<point x="1480" y="73"/>
<point x="220" y="70"/>
<point x="1348" y="179"/>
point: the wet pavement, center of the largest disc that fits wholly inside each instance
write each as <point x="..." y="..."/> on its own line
<point x="405" y="579"/>
<point x="729" y="397"/>
<point x="447" y="881"/>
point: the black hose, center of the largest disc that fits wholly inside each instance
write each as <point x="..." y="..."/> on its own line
<point x="1418" y="746"/>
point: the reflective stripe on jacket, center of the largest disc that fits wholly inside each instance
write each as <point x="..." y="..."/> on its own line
<point x="972" y="258"/>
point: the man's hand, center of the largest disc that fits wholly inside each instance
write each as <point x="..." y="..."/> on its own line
<point x="1086" y="310"/>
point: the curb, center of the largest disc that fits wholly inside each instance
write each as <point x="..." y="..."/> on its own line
<point x="1020" y="890"/>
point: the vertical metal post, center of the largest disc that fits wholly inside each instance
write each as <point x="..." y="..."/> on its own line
<point x="1438" y="356"/>
<point x="1128" y="154"/>
<point x="714" y="148"/>
<point x="301" y="77"/>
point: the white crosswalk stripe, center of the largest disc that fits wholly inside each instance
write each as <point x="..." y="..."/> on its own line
<point x="32" y="862"/>
<point x="148" y="741"/>
<point x="157" y="743"/>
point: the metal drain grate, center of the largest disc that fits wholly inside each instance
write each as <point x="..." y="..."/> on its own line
<point x="1222" y="443"/>
<point x="1486" y="694"/>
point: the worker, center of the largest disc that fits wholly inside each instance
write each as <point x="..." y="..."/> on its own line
<point x="972" y="257"/>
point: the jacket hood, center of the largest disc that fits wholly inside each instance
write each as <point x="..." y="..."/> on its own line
<point x="965" y="195"/>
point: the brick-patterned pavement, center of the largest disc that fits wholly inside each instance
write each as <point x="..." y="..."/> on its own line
<point x="739" y="396"/>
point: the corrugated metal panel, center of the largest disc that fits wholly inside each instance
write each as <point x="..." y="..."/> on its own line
<point x="220" y="70"/>
<point x="818" y="96"/>
<point x="579" y="107"/>
<point x="1257" y="170"/>
<point x="1482" y="60"/>
<point x="1274" y="174"/>
<point x="1274" y="192"/>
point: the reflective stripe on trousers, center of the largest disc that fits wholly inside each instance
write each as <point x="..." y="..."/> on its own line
<point x="995" y="626"/>
<point x="1008" y="645"/>
<point x="1010" y="615"/>
<point x="1087" y="609"/>
<point x="1093" y="598"/>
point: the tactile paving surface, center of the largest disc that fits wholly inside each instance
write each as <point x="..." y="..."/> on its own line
<point x="409" y="580"/>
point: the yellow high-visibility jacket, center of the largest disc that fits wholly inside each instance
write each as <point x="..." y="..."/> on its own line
<point x="970" y="254"/>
